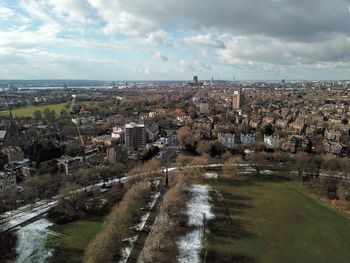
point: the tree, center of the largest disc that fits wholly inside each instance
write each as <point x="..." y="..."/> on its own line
<point x="37" y="115"/>
<point x="203" y="147"/>
<point x="8" y="244"/>
<point x="72" y="198"/>
<point x="268" y="129"/>
<point x="118" y="170"/>
<point x="50" y="115"/>
<point x="105" y="173"/>
<point x="151" y="166"/>
<point x="230" y="167"/>
<point x="183" y="161"/>
<point x="186" y="138"/>
<point x="41" y="187"/>
<point x="343" y="191"/>
<point x="87" y="177"/>
<point x="216" y="149"/>
<point x="258" y="160"/>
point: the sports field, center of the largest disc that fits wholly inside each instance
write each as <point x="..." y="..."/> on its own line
<point x="274" y="220"/>
<point x="29" y="111"/>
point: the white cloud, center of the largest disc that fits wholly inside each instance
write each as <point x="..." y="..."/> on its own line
<point x="5" y="12"/>
<point x="205" y="40"/>
<point x="259" y="49"/>
<point x="160" y="56"/>
<point x="159" y="37"/>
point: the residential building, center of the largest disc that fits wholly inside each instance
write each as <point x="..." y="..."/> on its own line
<point x="247" y="139"/>
<point x="3" y="134"/>
<point x="227" y="139"/>
<point x="135" y="136"/>
<point x="152" y="132"/>
<point x="332" y="135"/>
<point x="271" y="142"/>
<point x="116" y="154"/>
<point x="334" y="147"/>
<point x="237" y="99"/>
<point x="14" y="153"/>
<point x="204" y="108"/>
<point x="68" y="164"/>
<point x="118" y="134"/>
<point x="7" y="181"/>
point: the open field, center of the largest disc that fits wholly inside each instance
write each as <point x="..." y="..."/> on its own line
<point x="73" y="240"/>
<point x="274" y="220"/>
<point x="29" y="111"/>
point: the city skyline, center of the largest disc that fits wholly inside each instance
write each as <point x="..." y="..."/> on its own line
<point x="168" y="40"/>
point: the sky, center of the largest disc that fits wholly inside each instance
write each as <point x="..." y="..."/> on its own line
<point x="175" y="39"/>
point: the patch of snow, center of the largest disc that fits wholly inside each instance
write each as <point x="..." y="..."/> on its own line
<point x="126" y="251"/>
<point x="198" y="210"/>
<point x="211" y="175"/>
<point x="154" y="200"/>
<point x="267" y="172"/>
<point x="142" y="224"/>
<point x="32" y="239"/>
<point x="26" y="216"/>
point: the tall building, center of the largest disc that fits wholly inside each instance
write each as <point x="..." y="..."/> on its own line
<point x="195" y="80"/>
<point x="135" y="136"/>
<point x="237" y="99"/>
<point x="116" y="154"/>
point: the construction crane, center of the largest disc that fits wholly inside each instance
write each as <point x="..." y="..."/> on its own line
<point x="75" y="121"/>
<point x="72" y="103"/>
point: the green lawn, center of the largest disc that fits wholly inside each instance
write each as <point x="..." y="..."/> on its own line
<point x="74" y="238"/>
<point x="29" y="111"/>
<point x="274" y="220"/>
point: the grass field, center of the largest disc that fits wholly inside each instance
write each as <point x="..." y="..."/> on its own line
<point x="274" y="220"/>
<point x="73" y="240"/>
<point x="29" y="111"/>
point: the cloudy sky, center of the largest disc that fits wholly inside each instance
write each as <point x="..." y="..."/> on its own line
<point x="174" y="39"/>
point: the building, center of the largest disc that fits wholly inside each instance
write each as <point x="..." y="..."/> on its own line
<point x="334" y="147"/>
<point x="332" y="135"/>
<point x="152" y="132"/>
<point x="195" y="80"/>
<point x="135" y="136"/>
<point x="14" y="153"/>
<point x="247" y="139"/>
<point x="69" y="164"/>
<point x="7" y="181"/>
<point x="3" y="134"/>
<point x="204" y="108"/>
<point x="296" y="142"/>
<point x="271" y="142"/>
<point x="237" y="99"/>
<point x="106" y="139"/>
<point x="118" y="134"/>
<point x="116" y="154"/>
<point x="227" y="139"/>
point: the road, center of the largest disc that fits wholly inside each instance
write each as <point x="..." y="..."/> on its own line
<point x="20" y="216"/>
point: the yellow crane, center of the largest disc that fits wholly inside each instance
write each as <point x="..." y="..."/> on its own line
<point x="75" y="121"/>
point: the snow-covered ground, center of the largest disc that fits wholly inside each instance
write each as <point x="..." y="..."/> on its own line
<point x="26" y="215"/>
<point x="211" y="175"/>
<point x="198" y="209"/>
<point x="32" y="240"/>
<point x="139" y="227"/>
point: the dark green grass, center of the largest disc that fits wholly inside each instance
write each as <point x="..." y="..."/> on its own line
<point x="274" y="220"/>
<point x="73" y="239"/>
